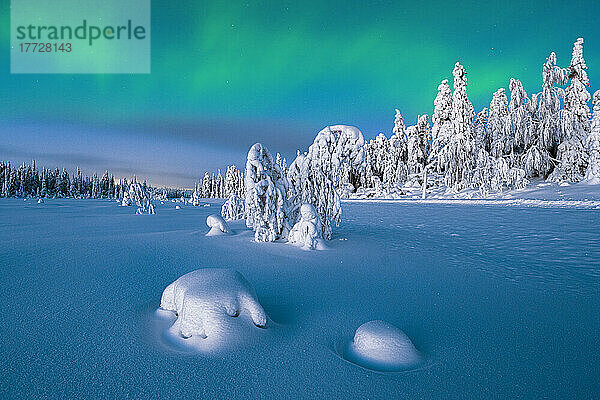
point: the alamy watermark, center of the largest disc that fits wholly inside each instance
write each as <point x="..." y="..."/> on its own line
<point x="80" y="36"/>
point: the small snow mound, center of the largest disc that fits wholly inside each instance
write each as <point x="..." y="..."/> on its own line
<point x="205" y="300"/>
<point x="307" y="232"/>
<point x="40" y="201"/>
<point x="217" y="225"/>
<point x="381" y="346"/>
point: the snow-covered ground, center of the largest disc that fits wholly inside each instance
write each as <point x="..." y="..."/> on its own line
<point x="500" y="302"/>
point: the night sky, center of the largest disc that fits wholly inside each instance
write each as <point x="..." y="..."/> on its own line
<point x="228" y="74"/>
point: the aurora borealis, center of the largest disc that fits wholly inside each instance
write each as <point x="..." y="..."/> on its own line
<point x="226" y="74"/>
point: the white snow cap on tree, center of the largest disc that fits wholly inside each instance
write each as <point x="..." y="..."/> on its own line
<point x="267" y="211"/>
<point x="306" y="233"/>
<point x="592" y="174"/>
<point x="335" y="145"/>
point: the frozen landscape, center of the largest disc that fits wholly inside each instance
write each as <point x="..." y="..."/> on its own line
<point x="465" y="263"/>
<point x="499" y="302"/>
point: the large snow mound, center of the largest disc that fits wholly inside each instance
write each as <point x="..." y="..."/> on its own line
<point x="205" y="302"/>
<point x="217" y="225"/>
<point x="379" y="345"/>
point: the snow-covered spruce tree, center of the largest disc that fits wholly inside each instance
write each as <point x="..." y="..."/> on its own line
<point x="44" y="190"/>
<point x="315" y="175"/>
<point x="399" y="126"/>
<point x="418" y="145"/>
<point x="279" y="162"/>
<point x="233" y="208"/>
<point x="519" y="116"/>
<point x="206" y="185"/>
<point x="482" y="171"/>
<point x="385" y="159"/>
<point x="233" y="182"/>
<point x="219" y="186"/>
<point x="592" y="174"/>
<point x="546" y="107"/>
<point x="497" y="125"/>
<point x="140" y="195"/>
<point x="313" y="186"/>
<point x="196" y="195"/>
<point x="377" y="152"/>
<point x="480" y="131"/>
<point x="267" y="211"/>
<point x="574" y="122"/>
<point x="442" y="129"/>
<point x="396" y="171"/>
<point x="456" y="158"/>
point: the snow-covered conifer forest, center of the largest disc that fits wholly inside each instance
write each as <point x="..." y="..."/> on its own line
<point x="548" y="135"/>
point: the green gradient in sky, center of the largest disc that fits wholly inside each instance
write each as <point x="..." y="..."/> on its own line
<point x="314" y="63"/>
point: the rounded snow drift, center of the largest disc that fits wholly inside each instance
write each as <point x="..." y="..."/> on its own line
<point x="380" y="346"/>
<point x="218" y="226"/>
<point x="213" y="307"/>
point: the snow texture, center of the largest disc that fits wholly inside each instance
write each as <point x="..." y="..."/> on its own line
<point x="217" y="225"/>
<point x="574" y="122"/>
<point x="205" y="300"/>
<point x="489" y="294"/>
<point x="593" y="144"/>
<point x="381" y="346"/>
<point x="316" y="175"/>
<point x="267" y="210"/>
<point x="233" y="208"/>
<point x="306" y="233"/>
<point x="456" y="157"/>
